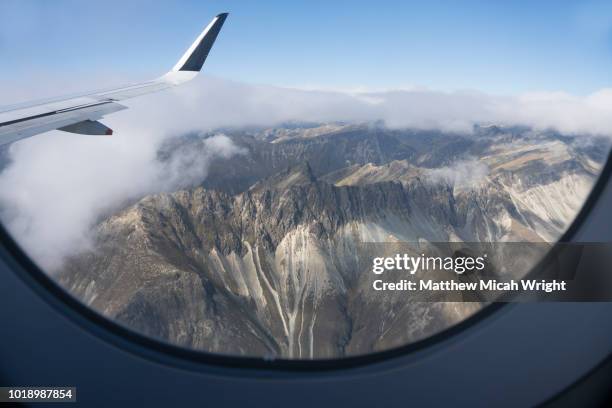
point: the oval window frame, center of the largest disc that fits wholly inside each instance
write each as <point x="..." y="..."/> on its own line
<point x="166" y="353"/>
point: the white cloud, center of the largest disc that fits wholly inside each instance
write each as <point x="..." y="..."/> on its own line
<point x="58" y="185"/>
<point x="214" y="103"/>
<point x="463" y="174"/>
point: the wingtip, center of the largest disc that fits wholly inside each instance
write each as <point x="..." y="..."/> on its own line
<point x="196" y="55"/>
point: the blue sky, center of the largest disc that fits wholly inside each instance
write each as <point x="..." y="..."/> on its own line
<point x="505" y="47"/>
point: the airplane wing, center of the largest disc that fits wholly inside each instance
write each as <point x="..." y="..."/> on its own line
<point x="80" y="114"/>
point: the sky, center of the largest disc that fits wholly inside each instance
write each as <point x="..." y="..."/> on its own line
<point x="508" y="47"/>
<point x="444" y="65"/>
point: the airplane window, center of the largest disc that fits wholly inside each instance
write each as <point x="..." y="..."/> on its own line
<point x="264" y="220"/>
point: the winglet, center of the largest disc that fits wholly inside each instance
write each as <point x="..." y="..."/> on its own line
<point x="195" y="56"/>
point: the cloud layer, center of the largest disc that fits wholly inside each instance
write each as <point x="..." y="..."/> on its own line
<point x="216" y="103"/>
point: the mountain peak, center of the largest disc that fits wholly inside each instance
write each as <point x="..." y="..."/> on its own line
<point x="296" y="175"/>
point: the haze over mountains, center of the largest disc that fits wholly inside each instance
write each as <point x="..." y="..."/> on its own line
<point x="261" y="258"/>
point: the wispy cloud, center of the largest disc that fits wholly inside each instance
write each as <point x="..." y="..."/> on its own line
<point x="463" y="174"/>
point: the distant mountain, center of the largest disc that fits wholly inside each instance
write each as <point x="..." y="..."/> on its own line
<point x="263" y="259"/>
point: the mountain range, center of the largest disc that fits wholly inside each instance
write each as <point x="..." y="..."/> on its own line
<point x="265" y="256"/>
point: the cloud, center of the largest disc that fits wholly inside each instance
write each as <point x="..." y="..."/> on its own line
<point x="463" y="174"/>
<point x="58" y="185"/>
<point x="187" y="167"/>
<point x="213" y="103"/>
